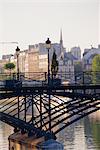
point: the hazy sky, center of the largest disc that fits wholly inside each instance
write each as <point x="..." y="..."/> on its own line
<point x="32" y="21"/>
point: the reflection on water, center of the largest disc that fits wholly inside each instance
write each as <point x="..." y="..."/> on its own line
<point x="5" y="131"/>
<point x="95" y="127"/>
<point x="82" y="135"/>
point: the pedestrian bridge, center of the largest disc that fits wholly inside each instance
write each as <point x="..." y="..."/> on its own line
<point x="45" y="110"/>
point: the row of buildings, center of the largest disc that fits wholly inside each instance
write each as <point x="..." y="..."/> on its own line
<point x="35" y="59"/>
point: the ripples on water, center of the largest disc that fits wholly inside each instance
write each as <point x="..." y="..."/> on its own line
<point x="82" y="135"/>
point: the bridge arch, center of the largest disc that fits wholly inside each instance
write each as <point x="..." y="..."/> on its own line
<point x="78" y="106"/>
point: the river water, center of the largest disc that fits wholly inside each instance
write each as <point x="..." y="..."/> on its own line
<point x="82" y="135"/>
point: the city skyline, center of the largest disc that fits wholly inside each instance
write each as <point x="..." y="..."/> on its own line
<point x="31" y="22"/>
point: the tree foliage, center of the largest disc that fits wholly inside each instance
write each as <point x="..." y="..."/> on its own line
<point x="78" y="68"/>
<point x="54" y="65"/>
<point x="9" y="66"/>
<point x="96" y="69"/>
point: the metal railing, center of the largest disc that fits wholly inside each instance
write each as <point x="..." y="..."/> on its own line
<point x="40" y="78"/>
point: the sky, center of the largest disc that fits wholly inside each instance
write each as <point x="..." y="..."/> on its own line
<point x="32" y="21"/>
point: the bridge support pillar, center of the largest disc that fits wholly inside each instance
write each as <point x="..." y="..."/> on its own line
<point x="51" y="145"/>
<point x="22" y="142"/>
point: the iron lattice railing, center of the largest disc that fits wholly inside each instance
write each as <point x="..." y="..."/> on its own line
<point x="41" y="78"/>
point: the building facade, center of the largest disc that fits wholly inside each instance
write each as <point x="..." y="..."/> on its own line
<point x="66" y="67"/>
<point x="88" y="56"/>
<point x="76" y="52"/>
<point x="35" y="59"/>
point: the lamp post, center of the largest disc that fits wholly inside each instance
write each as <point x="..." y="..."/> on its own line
<point x="48" y="46"/>
<point x="17" y="54"/>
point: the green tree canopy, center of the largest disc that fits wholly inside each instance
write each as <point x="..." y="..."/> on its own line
<point x="9" y="66"/>
<point x="54" y="65"/>
<point x="78" y="67"/>
<point x="96" y="69"/>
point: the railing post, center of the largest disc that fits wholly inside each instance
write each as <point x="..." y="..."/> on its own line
<point x="48" y="69"/>
<point x="75" y="79"/>
<point x="32" y="109"/>
<point x="84" y="91"/>
<point x="25" y="107"/>
<point x="40" y="111"/>
<point x="45" y="74"/>
<point x="83" y="77"/>
<point x="52" y="78"/>
<point x="18" y="109"/>
<point x="49" y="97"/>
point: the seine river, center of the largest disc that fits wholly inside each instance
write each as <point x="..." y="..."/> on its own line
<point x="82" y="135"/>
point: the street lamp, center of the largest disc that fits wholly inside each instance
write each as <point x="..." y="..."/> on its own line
<point x="17" y="54"/>
<point x="48" y="46"/>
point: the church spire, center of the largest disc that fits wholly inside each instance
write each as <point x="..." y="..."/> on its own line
<point x="61" y="44"/>
<point x="61" y="40"/>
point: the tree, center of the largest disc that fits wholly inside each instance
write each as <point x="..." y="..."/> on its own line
<point x="9" y="66"/>
<point x="54" y="65"/>
<point x="96" y="69"/>
<point x="78" y="68"/>
<point x="78" y="72"/>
